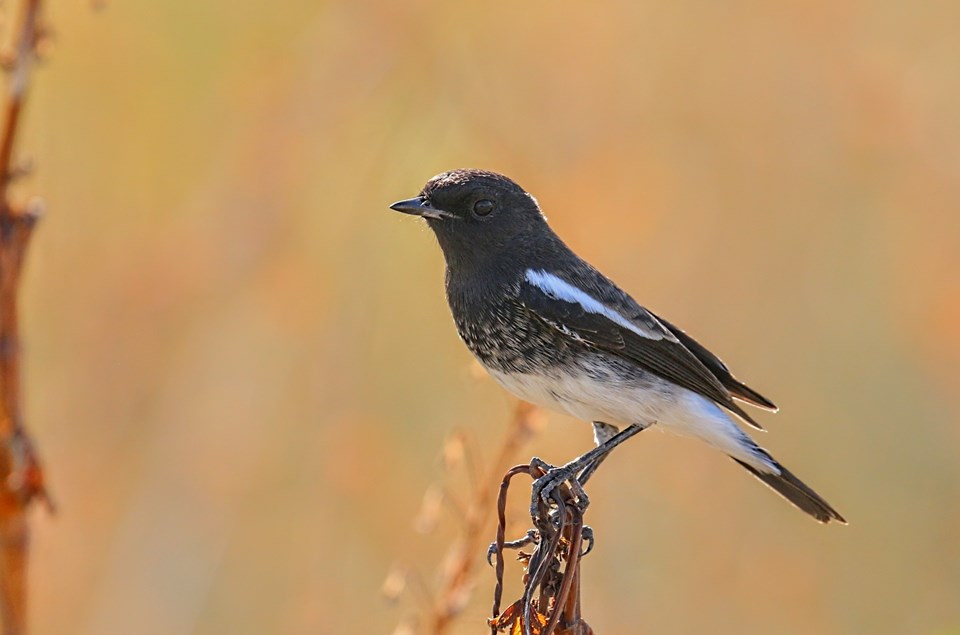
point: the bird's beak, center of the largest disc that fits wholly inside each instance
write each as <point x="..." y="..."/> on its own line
<point x="419" y="207"/>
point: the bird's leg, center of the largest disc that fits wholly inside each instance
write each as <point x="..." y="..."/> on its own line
<point x="588" y="471"/>
<point x="571" y="472"/>
<point x="602" y="432"/>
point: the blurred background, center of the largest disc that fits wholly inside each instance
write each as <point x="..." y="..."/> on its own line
<point x="242" y="373"/>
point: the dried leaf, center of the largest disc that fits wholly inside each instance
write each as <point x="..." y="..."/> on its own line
<point x="512" y="618"/>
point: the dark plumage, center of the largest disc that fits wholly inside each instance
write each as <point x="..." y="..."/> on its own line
<point x="556" y="332"/>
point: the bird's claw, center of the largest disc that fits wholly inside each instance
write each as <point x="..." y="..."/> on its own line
<point x="554" y="477"/>
<point x="532" y="537"/>
<point x="588" y="538"/>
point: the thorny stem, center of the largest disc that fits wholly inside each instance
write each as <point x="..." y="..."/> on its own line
<point x="21" y="478"/>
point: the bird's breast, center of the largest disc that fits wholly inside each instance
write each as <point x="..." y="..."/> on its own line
<point x="505" y="337"/>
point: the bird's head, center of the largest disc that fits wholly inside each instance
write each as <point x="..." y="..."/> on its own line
<point x="475" y="214"/>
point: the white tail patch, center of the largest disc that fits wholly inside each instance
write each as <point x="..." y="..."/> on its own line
<point x="698" y="417"/>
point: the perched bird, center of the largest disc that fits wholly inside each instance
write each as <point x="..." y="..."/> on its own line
<point x="556" y="332"/>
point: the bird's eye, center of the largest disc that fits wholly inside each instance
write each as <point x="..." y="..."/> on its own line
<point x="483" y="207"/>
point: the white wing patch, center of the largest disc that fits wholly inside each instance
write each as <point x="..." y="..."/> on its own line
<point x="560" y="289"/>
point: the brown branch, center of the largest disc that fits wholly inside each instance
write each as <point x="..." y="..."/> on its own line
<point x="16" y="93"/>
<point x="21" y="478"/>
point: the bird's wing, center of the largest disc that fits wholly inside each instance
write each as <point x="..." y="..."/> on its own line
<point x="598" y="314"/>
<point x="715" y="365"/>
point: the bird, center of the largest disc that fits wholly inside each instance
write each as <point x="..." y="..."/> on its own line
<point x="554" y="331"/>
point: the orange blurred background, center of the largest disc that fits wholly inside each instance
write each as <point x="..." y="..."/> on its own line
<point x="241" y="370"/>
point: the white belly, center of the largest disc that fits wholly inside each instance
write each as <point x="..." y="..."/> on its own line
<point x="583" y="397"/>
<point x="609" y="398"/>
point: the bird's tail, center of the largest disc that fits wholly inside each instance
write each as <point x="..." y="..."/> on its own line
<point x="795" y="491"/>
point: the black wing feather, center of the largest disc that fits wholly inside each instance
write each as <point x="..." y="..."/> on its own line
<point x="666" y="356"/>
<point x="716" y="366"/>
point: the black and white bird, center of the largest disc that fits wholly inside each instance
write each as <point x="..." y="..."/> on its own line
<point x="556" y="332"/>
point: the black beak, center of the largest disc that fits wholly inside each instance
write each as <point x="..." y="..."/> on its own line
<point x="420" y="207"/>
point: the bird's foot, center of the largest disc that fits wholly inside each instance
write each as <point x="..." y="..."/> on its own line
<point x="544" y="488"/>
<point x="532" y="537"/>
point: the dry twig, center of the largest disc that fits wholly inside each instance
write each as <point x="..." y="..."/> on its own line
<point x="20" y="472"/>
<point x="550" y="604"/>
